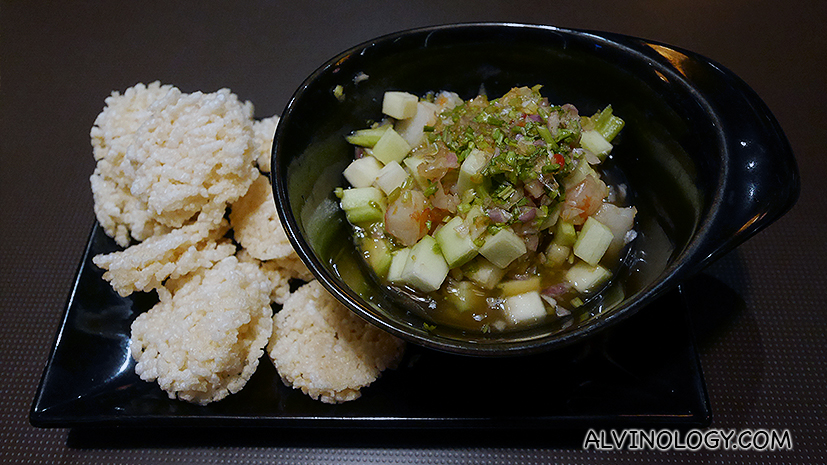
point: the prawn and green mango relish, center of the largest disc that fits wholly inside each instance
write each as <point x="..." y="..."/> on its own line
<point x="492" y="211"/>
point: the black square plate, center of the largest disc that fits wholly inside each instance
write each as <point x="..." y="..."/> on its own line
<point x="642" y="372"/>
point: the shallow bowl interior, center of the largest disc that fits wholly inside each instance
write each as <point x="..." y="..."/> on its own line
<point x="705" y="161"/>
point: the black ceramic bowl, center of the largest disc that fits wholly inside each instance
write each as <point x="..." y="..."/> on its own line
<point x="706" y="162"/>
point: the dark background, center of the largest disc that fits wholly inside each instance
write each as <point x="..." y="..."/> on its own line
<point x="759" y="312"/>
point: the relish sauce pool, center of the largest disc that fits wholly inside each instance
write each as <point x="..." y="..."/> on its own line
<point x="493" y="212"/>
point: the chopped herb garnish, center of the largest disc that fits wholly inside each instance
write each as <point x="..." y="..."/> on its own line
<point x="430" y="190"/>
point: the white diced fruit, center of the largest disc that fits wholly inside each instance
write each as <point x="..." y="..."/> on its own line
<point x="363" y="204"/>
<point x="519" y="286"/>
<point x="378" y="254"/>
<point x="362" y="172"/>
<point x="522" y="308"/>
<point x="585" y="278"/>
<point x="594" y="142"/>
<point x="565" y="234"/>
<point x="469" y="171"/>
<point x="620" y="221"/>
<point x="556" y="254"/>
<point x="412" y="163"/>
<point x="399" y="105"/>
<point x="503" y="248"/>
<point x="367" y="137"/>
<point x="484" y="273"/>
<point x="413" y="129"/>
<point x="466" y="296"/>
<point x="457" y="248"/>
<point x="391" y="147"/>
<point x="592" y="241"/>
<point x="425" y="268"/>
<point x="400" y="258"/>
<point x="390" y="177"/>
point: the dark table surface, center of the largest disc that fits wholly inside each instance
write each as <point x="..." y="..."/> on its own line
<point x="758" y="313"/>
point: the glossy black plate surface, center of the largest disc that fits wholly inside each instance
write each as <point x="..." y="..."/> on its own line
<point x="644" y="371"/>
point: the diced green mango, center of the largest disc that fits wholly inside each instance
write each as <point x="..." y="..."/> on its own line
<point x="378" y="254"/>
<point x="457" y="248"/>
<point x="592" y="241"/>
<point x="391" y="147"/>
<point x="585" y="278"/>
<point x="425" y="268"/>
<point x="399" y="105"/>
<point x="564" y="234"/>
<point x="503" y="248"/>
<point x="412" y="163"/>
<point x="466" y="296"/>
<point x="391" y="177"/>
<point x="620" y="221"/>
<point x="595" y="143"/>
<point x="519" y="286"/>
<point x="367" y="137"/>
<point x="413" y="129"/>
<point x="362" y="172"/>
<point x="483" y="272"/>
<point x="469" y="171"/>
<point x="523" y="308"/>
<point x="363" y="204"/>
<point x="398" y="261"/>
<point x="557" y="254"/>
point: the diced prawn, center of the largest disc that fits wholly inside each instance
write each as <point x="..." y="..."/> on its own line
<point x="407" y="216"/>
<point x="583" y="200"/>
<point x="447" y="100"/>
<point x="435" y="168"/>
<point x="444" y="201"/>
